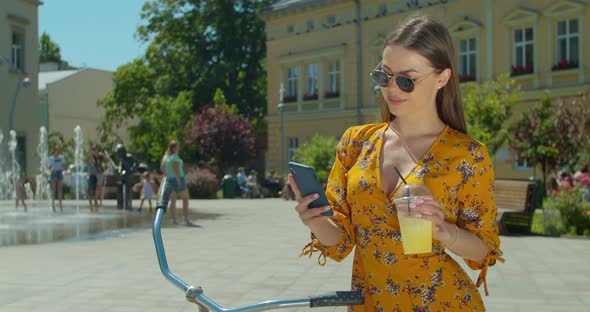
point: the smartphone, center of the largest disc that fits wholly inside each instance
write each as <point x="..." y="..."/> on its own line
<point x="308" y="183"/>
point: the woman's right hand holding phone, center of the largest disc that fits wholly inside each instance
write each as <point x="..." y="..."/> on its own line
<point x="311" y="217"/>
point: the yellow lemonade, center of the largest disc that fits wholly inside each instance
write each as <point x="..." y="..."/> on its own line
<point x="416" y="235"/>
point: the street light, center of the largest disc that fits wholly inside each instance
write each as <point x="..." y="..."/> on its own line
<point x="281" y="107"/>
<point x="26" y="82"/>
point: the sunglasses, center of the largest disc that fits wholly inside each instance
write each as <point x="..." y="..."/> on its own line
<point x="404" y="83"/>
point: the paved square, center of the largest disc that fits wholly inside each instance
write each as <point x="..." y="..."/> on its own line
<point x="245" y="251"/>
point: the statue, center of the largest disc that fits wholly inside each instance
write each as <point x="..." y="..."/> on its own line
<point x="126" y="169"/>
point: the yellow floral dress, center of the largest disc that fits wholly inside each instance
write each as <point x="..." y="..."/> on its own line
<point x="459" y="173"/>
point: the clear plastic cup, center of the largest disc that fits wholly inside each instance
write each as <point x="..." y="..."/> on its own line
<point x="416" y="233"/>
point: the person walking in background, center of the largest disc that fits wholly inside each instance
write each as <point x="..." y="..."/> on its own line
<point x="173" y="168"/>
<point x="147" y="190"/>
<point x="91" y="191"/>
<point x="423" y="135"/>
<point x="102" y="162"/>
<point x="21" y="192"/>
<point x="57" y="164"/>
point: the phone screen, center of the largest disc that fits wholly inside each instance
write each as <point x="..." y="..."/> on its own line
<point x="308" y="183"/>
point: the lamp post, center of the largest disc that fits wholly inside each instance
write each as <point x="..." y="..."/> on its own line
<point x="25" y="82"/>
<point x="281" y="107"/>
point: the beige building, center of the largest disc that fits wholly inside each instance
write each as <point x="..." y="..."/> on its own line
<point x="68" y="98"/>
<point x="19" y="63"/>
<point x="321" y="52"/>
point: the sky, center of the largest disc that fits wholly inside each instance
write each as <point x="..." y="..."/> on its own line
<point x="95" y="34"/>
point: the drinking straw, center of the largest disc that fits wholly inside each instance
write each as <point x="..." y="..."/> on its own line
<point x="407" y="188"/>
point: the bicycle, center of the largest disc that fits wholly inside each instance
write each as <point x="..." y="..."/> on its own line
<point x="196" y="295"/>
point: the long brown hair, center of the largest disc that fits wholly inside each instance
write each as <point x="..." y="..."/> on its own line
<point x="431" y="39"/>
<point x="171" y="147"/>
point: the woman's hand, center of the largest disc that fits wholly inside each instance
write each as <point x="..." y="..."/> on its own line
<point x="310" y="217"/>
<point x="430" y="209"/>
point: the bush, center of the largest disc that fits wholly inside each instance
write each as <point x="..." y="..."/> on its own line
<point x="319" y="153"/>
<point x="573" y="210"/>
<point x="202" y="183"/>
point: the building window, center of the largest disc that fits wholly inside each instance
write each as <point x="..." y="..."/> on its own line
<point x="312" y="82"/>
<point x="382" y="9"/>
<point x="290" y="28"/>
<point x="521" y="163"/>
<point x="333" y="80"/>
<point x="292" y="81"/>
<point x="331" y="20"/>
<point x="467" y="59"/>
<point x="293" y="145"/>
<point x="523" y="52"/>
<point x="412" y="4"/>
<point x="309" y="25"/>
<point x="567" y="44"/>
<point x="18" y="50"/>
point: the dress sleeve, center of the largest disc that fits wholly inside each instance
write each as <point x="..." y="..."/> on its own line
<point x="477" y="207"/>
<point x="346" y="154"/>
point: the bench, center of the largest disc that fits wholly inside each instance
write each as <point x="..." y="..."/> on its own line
<point x="516" y="202"/>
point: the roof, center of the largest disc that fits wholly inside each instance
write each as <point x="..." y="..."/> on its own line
<point x="46" y="78"/>
<point x="284" y="6"/>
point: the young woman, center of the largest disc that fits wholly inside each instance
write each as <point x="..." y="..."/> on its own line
<point x="57" y="164"/>
<point x="173" y="167"/>
<point x="423" y="134"/>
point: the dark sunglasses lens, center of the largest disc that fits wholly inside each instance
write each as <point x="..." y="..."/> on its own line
<point x="380" y="78"/>
<point x="404" y="83"/>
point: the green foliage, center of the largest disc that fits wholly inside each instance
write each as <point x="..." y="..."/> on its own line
<point x="220" y="100"/>
<point x="573" y="211"/>
<point x="203" y="51"/>
<point x="536" y="138"/>
<point x="205" y="45"/>
<point x="48" y="50"/>
<point x="163" y="120"/>
<point x="488" y="105"/>
<point x="318" y="152"/>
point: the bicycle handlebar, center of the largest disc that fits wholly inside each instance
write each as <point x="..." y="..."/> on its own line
<point x="195" y="294"/>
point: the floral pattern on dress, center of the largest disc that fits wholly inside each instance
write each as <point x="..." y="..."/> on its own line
<point x="458" y="172"/>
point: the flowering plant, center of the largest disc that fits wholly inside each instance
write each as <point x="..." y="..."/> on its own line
<point x="565" y="64"/>
<point x="521" y="70"/>
<point x="331" y="94"/>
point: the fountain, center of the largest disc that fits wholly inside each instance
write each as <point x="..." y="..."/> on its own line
<point x="78" y="161"/>
<point x="43" y="189"/>
<point x="38" y="224"/>
<point x="4" y="181"/>
<point x="15" y="173"/>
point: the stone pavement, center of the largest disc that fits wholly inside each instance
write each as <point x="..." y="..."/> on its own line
<point x="246" y="251"/>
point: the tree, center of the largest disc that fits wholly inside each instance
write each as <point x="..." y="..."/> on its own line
<point x="318" y="152"/>
<point x="205" y="45"/>
<point x="573" y="129"/>
<point x="536" y="138"/>
<point x="226" y="138"/>
<point x="488" y="106"/>
<point x="48" y="50"/>
<point x="194" y="47"/>
<point x="163" y="120"/>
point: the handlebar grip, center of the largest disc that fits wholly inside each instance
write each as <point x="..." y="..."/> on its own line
<point x="337" y="298"/>
<point x="164" y="196"/>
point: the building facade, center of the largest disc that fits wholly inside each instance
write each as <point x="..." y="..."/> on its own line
<point x="19" y="62"/>
<point x="320" y="53"/>
<point x="67" y="98"/>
